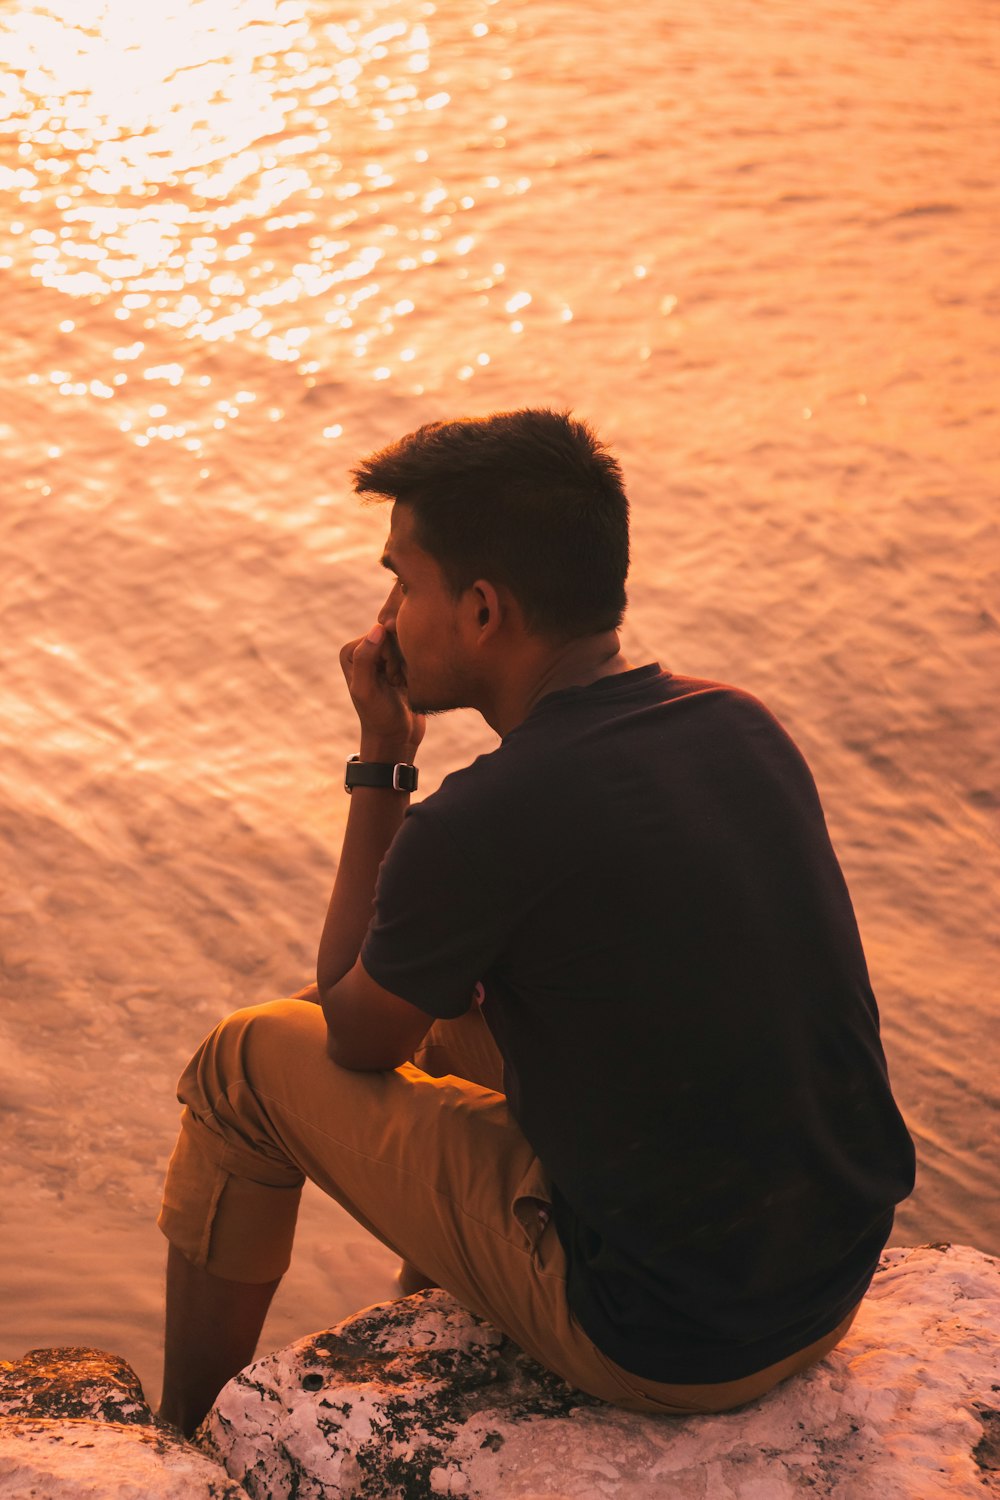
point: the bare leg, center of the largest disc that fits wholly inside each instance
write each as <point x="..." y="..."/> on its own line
<point x="410" y="1279"/>
<point x="212" y="1330"/>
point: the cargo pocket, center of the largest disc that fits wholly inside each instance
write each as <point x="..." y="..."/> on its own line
<point x="532" y="1204"/>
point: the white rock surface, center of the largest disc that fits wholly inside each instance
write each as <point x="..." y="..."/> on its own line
<point x="74" y="1425"/>
<point x="83" y="1460"/>
<point x="416" y="1399"/>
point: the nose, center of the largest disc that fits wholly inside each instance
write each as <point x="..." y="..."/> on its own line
<point x="387" y="614"/>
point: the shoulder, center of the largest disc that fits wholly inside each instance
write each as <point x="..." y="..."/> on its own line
<point x="722" y="701"/>
<point x="485" y="788"/>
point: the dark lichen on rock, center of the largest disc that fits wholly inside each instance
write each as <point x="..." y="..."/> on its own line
<point x="422" y="1400"/>
<point x="987" y="1451"/>
<point x="73" y="1382"/>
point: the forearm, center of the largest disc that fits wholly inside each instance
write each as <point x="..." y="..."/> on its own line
<point x="372" y="823"/>
<point x="390" y="733"/>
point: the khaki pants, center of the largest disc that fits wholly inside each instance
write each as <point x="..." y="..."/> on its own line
<point x="424" y="1157"/>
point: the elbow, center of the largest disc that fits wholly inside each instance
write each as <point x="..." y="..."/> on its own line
<point x="338" y="1053"/>
<point x="335" y="1049"/>
<point x="358" y="1057"/>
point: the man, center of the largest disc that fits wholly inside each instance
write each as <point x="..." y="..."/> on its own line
<point x="677" y="1192"/>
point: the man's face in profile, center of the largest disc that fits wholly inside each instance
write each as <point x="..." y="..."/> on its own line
<point x="421" y="616"/>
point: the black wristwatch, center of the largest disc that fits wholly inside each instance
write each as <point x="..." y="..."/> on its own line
<point x="397" y="778"/>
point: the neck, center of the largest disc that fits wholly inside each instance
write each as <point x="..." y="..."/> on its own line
<point x="544" y="668"/>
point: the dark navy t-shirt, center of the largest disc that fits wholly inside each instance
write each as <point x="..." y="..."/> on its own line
<point x="641" y="878"/>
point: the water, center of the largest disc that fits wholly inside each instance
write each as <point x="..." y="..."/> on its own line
<point x="245" y="242"/>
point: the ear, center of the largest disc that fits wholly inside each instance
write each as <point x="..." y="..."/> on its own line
<point x="488" y="609"/>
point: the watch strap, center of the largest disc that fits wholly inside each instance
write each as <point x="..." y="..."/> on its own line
<point x="398" y="777"/>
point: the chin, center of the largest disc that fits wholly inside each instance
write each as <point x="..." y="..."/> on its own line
<point x="436" y="697"/>
<point x="433" y="703"/>
<point x="429" y="709"/>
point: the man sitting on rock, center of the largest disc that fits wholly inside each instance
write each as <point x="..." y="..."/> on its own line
<point x="595" y="1047"/>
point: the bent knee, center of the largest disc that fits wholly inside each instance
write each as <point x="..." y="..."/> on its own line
<point x="247" y="1045"/>
<point x="264" y="1024"/>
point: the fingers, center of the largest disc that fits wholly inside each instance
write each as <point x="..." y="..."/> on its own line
<point x="368" y="660"/>
<point x="393" y="662"/>
<point x="363" y="652"/>
<point x="311" y="993"/>
<point x="373" y="669"/>
<point x="376" y="680"/>
<point x="374" y="654"/>
<point x="347" y="656"/>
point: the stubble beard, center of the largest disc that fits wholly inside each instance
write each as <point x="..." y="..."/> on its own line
<point x="444" y="702"/>
<point x="450" y="697"/>
<point x="430" y="710"/>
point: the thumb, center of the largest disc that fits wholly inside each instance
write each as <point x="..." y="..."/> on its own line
<point x="368" y="651"/>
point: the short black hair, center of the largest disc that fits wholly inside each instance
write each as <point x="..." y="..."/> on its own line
<point x="529" y="499"/>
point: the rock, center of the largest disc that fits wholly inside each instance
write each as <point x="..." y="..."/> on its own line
<point x="417" y="1398"/>
<point x="79" y="1383"/>
<point x="74" y="1425"/>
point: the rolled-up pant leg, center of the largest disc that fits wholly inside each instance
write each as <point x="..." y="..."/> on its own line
<point x="434" y="1167"/>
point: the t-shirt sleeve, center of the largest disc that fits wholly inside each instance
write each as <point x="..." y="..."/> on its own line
<point x="438" y="923"/>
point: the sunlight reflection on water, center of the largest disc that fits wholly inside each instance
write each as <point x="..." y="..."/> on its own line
<point x="246" y="241"/>
<point x="184" y="165"/>
<point x="314" y="183"/>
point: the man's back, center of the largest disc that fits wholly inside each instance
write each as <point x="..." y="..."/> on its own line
<point x="641" y="879"/>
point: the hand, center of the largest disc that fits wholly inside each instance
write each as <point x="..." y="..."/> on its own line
<point x="373" y="670"/>
<point x="310" y="993"/>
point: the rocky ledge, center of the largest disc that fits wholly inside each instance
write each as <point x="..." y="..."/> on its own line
<point x="416" y="1399"/>
<point x="74" y="1425"/>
